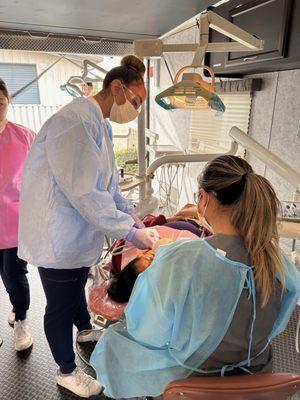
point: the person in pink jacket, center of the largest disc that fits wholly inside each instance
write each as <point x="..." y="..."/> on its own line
<point x="15" y="141"/>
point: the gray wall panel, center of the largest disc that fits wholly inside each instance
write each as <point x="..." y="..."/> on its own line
<point x="275" y="122"/>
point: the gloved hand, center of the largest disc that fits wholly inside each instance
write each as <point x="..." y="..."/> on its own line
<point x="137" y="222"/>
<point x="142" y="238"/>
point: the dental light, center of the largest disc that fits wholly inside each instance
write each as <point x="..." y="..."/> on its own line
<point x="192" y="92"/>
<point x="74" y="82"/>
<point x="72" y="89"/>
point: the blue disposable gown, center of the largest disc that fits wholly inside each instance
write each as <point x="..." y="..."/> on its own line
<point x="70" y="195"/>
<point x="178" y="313"/>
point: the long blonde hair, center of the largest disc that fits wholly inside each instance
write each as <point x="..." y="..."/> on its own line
<point x="254" y="211"/>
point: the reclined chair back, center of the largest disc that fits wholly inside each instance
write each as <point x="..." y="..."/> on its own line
<point x="278" y="386"/>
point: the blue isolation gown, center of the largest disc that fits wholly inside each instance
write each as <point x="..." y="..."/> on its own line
<point x="178" y="313"/>
<point x="70" y="195"/>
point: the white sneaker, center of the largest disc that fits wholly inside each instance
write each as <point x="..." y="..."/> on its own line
<point x="79" y="383"/>
<point x="11" y="317"/>
<point x="23" y="338"/>
<point x="89" y="335"/>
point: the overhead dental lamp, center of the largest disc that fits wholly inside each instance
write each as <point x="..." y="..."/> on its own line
<point x="73" y="84"/>
<point x="192" y="92"/>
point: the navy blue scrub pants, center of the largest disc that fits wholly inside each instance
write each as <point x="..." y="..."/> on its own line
<point x="66" y="306"/>
<point x="13" y="272"/>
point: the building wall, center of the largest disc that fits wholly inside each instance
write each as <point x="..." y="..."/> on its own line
<point x="49" y="84"/>
<point x="51" y="96"/>
<point x="32" y="116"/>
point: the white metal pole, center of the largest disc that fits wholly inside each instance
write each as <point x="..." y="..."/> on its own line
<point x="187" y="158"/>
<point x="266" y="156"/>
<point x="141" y="150"/>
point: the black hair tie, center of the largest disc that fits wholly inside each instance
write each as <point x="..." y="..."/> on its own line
<point x="230" y="194"/>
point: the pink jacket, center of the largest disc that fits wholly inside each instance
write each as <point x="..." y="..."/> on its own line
<point x="15" y="142"/>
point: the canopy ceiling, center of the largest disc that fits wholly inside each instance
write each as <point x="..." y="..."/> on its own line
<point x="112" y="19"/>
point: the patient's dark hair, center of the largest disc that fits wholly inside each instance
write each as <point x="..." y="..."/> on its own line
<point x="121" y="287"/>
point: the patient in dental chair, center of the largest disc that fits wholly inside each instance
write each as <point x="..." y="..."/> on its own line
<point x="121" y="286"/>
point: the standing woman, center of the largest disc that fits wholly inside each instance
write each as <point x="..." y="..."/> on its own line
<point x="70" y="199"/>
<point x="15" y="141"/>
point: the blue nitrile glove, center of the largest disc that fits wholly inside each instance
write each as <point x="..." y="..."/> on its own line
<point x="142" y="238"/>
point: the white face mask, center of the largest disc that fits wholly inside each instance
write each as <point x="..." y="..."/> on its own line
<point x="123" y="113"/>
<point x="205" y="222"/>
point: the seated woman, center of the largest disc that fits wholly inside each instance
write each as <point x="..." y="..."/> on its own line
<point x="206" y="306"/>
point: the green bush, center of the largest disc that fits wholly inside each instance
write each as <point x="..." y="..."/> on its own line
<point x="123" y="155"/>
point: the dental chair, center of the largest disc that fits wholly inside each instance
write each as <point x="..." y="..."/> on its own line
<point x="277" y="386"/>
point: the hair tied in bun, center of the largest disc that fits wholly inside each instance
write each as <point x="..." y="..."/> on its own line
<point x="134" y="63"/>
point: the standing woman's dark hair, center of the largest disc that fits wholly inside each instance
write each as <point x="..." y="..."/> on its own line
<point x="4" y="103"/>
<point x="254" y="211"/>
<point x="131" y="70"/>
<point x="3" y="89"/>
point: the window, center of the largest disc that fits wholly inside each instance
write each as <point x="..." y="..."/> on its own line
<point x="209" y="133"/>
<point x="16" y="76"/>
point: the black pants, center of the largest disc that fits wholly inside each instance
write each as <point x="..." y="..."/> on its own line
<point x="66" y="305"/>
<point x="13" y="272"/>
